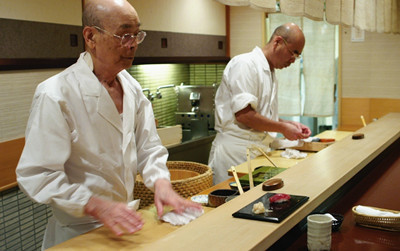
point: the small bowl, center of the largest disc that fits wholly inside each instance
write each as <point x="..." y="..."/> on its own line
<point x="234" y="186"/>
<point x="218" y="197"/>
<point x="337" y="223"/>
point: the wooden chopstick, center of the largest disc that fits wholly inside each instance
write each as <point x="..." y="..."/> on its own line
<point x="249" y="169"/>
<point x="363" y="121"/>
<point x="266" y="156"/>
<point x="237" y="180"/>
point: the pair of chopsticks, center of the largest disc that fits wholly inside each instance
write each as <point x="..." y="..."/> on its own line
<point x="237" y="180"/>
<point x="250" y="171"/>
<point x="250" y="174"/>
<point x="265" y="155"/>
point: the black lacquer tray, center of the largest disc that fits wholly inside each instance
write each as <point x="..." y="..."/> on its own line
<point x="276" y="212"/>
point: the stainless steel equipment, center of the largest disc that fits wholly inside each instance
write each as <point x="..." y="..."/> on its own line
<point x="195" y="110"/>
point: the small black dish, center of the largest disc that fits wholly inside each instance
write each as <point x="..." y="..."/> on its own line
<point x="337" y="223"/>
<point x="234" y="186"/>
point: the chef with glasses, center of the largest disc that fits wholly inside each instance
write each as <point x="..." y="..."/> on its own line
<point x="246" y="102"/>
<point x="91" y="130"/>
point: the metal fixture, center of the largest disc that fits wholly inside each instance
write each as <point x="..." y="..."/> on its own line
<point x="150" y="96"/>
<point x="158" y="93"/>
<point x="195" y="101"/>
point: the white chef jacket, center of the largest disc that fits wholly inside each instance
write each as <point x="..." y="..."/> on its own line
<point x="247" y="80"/>
<point x="77" y="145"/>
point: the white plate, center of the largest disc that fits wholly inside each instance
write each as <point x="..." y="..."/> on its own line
<point x="202" y="199"/>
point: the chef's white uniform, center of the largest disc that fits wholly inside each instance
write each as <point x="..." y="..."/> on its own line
<point x="247" y="80"/>
<point x="78" y="145"/>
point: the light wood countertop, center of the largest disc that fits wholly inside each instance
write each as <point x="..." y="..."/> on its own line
<point x="275" y="156"/>
<point x="317" y="177"/>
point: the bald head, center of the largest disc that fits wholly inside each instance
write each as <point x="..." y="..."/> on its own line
<point x="99" y="12"/>
<point x="286" y="44"/>
<point x="291" y="32"/>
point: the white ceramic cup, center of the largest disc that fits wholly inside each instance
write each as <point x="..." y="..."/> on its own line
<point x="319" y="229"/>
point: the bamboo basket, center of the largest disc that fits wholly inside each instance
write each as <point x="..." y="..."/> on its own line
<point x="390" y="223"/>
<point x="187" y="179"/>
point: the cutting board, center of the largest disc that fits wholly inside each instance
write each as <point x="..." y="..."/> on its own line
<point x="275" y="212"/>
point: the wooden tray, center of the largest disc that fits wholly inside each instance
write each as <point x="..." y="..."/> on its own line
<point x="275" y="213"/>
<point x="312" y="146"/>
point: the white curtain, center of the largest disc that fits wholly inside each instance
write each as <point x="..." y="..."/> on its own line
<point x="369" y="15"/>
<point x="318" y="62"/>
<point x="319" y="68"/>
<point x="289" y="92"/>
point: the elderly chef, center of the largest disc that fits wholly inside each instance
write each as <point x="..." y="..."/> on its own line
<point x="91" y="130"/>
<point x="246" y="103"/>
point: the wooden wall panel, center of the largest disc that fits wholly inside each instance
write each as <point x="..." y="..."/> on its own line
<point x="370" y="108"/>
<point x="10" y="154"/>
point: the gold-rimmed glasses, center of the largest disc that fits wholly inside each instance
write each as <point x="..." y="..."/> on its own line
<point x="127" y="39"/>
<point x="295" y="54"/>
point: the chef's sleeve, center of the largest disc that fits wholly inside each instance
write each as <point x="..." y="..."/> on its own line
<point x="40" y="171"/>
<point x="242" y="81"/>
<point x="152" y="155"/>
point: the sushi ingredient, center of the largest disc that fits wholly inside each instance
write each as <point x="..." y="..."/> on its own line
<point x="258" y="208"/>
<point x="279" y="198"/>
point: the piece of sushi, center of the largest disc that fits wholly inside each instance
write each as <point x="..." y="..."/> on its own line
<point x="279" y="198"/>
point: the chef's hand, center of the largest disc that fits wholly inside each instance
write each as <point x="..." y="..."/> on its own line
<point x="305" y="131"/>
<point x="114" y="215"/>
<point x="164" y="195"/>
<point x="295" y="130"/>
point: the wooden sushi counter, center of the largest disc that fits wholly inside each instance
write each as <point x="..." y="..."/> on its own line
<point x="320" y="176"/>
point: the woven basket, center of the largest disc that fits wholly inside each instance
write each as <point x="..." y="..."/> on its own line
<point x="187" y="179"/>
<point x="390" y="223"/>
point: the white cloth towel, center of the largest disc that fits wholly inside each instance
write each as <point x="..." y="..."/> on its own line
<point x="293" y="154"/>
<point x="375" y="212"/>
<point x="182" y="219"/>
<point x="134" y="205"/>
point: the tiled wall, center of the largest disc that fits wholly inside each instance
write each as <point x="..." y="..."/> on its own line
<point x="22" y="222"/>
<point x="153" y="76"/>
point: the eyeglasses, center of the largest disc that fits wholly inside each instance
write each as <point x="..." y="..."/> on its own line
<point x="127" y="39"/>
<point x="295" y="54"/>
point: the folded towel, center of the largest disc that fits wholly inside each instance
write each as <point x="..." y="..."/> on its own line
<point x="134" y="205"/>
<point x="375" y="212"/>
<point x="293" y="154"/>
<point x="182" y="219"/>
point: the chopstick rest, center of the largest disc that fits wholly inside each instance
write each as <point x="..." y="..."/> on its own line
<point x="272" y="184"/>
<point x="358" y="136"/>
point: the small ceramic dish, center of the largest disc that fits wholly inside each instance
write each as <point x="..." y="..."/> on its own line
<point x="234" y="186"/>
<point x="202" y="199"/>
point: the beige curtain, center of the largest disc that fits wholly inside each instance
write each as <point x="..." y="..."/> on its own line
<point x="318" y="62"/>
<point x="289" y="96"/>
<point x="319" y="68"/>
<point x="370" y="15"/>
<point x="265" y="5"/>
